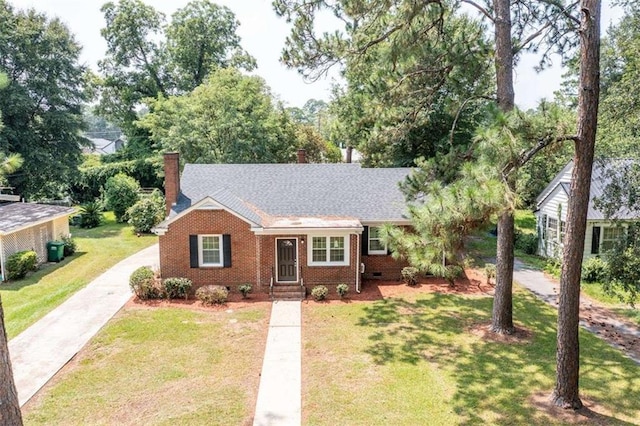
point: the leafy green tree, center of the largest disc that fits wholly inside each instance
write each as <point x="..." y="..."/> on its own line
<point x="231" y="118"/>
<point x="317" y="149"/>
<point x="10" y="407"/>
<point x="41" y="104"/>
<point x="146" y="58"/>
<point x="121" y="192"/>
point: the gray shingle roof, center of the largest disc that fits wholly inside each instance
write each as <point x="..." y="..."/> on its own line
<point x="344" y="190"/>
<point x="15" y="216"/>
<point x="599" y="181"/>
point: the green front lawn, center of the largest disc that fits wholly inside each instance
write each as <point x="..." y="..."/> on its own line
<point x="161" y="366"/>
<point x="409" y="361"/>
<point x="26" y="301"/>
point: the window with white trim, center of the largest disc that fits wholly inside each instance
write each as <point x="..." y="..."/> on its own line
<point x="210" y="253"/>
<point x="376" y="246"/>
<point x="552" y="229"/>
<point x="329" y="250"/>
<point x="610" y="236"/>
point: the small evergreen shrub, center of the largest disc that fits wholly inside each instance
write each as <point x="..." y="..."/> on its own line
<point x="319" y="292"/>
<point x="594" y="270"/>
<point x="410" y="275"/>
<point x="90" y="215"/>
<point x="212" y="294"/>
<point x="527" y="243"/>
<point x="69" y="245"/>
<point x="245" y="289"/>
<point x="143" y="283"/>
<point x="342" y="290"/>
<point x="147" y="212"/>
<point x="177" y="288"/>
<point x="18" y="264"/>
<point x="490" y="272"/>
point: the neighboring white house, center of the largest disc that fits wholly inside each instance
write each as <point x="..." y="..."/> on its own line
<point x="104" y="146"/>
<point x="29" y="226"/>
<point x="551" y="216"/>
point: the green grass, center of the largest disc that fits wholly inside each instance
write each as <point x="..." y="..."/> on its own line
<point x="161" y="366"/>
<point x="27" y="300"/>
<point x="414" y="361"/>
<point x="525" y="221"/>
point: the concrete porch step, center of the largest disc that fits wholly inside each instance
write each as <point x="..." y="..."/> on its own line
<point x="288" y="292"/>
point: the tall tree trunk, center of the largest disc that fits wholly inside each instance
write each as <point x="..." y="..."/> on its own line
<point x="565" y="393"/>
<point x="502" y="318"/>
<point x="9" y="407"/>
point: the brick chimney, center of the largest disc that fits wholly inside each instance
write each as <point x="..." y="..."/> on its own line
<point x="302" y="156"/>
<point x="349" y="153"/>
<point x="171" y="179"/>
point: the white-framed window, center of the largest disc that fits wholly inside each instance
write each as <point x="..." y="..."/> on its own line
<point x="563" y="226"/>
<point x="329" y="250"/>
<point x="552" y="228"/>
<point x="376" y="246"/>
<point x="210" y="250"/>
<point x="610" y="236"/>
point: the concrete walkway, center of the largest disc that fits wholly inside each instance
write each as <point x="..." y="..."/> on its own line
<point x="44" y="348"/>
<point x="597" y="319"/>
<point x="279" y="396"/>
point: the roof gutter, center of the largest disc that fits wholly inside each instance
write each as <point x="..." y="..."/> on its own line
<point x="3" y="276"/>
<point x="359" y="259"/>
<point x="294" y="231"/>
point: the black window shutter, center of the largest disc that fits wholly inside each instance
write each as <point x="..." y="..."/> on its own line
<point x="595" y="240"/>
<point x="193" y="250"/>
<point x="364" y="246"/>
<point x="226" y="250"/>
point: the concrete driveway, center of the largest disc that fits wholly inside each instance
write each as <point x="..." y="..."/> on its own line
<point x="44" y="348"/>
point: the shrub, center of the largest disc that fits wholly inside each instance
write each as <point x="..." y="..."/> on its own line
<point x="594" y="270"/>
<point x="143" y="283"/>
<point x="18" y="264"/>
<point x="410" y="275"/>
<point x="212" y="294"/>
<point x="147" y="212"/>
<point x="342" y="289"/>
<point x="90" y="214"/>
<point x="245" y="289"/>
<point x="69" y="245"/>
<point x="490" y="271"/>
<point x="319" y="292"/>
<point x="177" y="288"/>
<point x="527" y="243"/>
<point x="121" y="192"/>
<point x="553" y="266"/>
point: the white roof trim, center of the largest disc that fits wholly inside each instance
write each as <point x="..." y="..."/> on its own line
<point x="298" y="231"/>
<point x="550" y="193"/>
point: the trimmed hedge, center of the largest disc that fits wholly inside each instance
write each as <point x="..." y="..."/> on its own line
<point x="18" y="264"/>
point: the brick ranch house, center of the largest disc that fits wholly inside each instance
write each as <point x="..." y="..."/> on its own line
<point x="280" y="227"/>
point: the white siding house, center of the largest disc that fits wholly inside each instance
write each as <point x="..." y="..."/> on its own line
<point x="29" y="226"/>
<point x="551" y="216"/>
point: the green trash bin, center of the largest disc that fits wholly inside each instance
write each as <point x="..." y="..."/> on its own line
<point x="55" y="250"/>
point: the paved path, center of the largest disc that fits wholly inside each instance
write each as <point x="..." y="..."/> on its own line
<point x="44" y="348"/>
<point x="595" y="318"/>
<point x="279" y="396"/>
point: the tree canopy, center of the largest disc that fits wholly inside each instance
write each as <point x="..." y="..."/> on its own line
<point x="42" y="102"/>
<point x="147" y="57"/>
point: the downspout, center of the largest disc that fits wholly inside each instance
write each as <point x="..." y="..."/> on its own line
<point x="358" y="251"/>
<point x="2" y="274"/>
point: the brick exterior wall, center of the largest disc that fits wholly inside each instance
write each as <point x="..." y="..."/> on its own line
<point x="174" y="249"/>
<point x="382" y="267"/>
<point x="329" y="276"/>
<point x="253" y="257"/>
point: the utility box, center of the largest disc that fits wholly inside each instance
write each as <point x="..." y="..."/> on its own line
<point x="55" y="251"/>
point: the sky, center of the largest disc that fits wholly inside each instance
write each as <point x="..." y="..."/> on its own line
<point x="263" y="35"/>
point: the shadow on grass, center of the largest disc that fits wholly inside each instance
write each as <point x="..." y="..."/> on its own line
<point x="43" y="271"/>
<point x="493" y="380"/>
